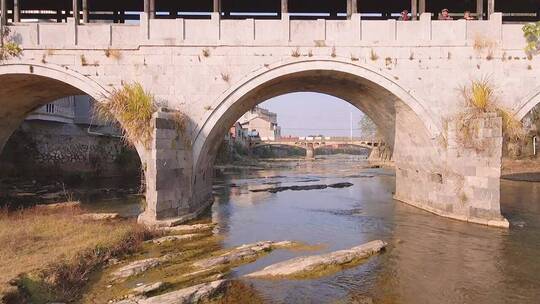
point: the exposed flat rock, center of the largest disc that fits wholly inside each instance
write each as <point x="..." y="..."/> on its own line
<point x="100" y="216"/>
<point x="147" y="288"/>
<point x="244" y="252"/>
<point x="188" y="228"/>
<point x="174" y="238"/>
<point x="306" y="264"/>
<point x="137" y="267"/>
<point x="193" y="294"/>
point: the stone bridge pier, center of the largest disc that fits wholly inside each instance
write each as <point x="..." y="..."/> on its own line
<point x="310" y="152"/>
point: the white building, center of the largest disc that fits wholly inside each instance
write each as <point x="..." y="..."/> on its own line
<point x="263" y="122"/>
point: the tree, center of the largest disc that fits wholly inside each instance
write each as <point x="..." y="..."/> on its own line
<point x="368" y="129"/>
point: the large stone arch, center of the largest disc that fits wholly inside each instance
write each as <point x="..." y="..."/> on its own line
<point x="429" y="173"/>
<point x="264" y="84"/>
<point x="27" y="86"/>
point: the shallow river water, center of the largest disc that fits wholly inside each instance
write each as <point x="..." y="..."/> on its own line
<point x="429" y="259"/>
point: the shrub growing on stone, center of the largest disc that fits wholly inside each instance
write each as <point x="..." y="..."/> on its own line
<point x="480" y="100"/>
<point x="133" y="108"/>
<point x="9" y="48"/>
<point x="531" y="32"/>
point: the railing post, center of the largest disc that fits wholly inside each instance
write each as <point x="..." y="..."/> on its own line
<point x="480" y="9"/>
<point x="76" y="11"/>
<point x="491" y="7"/>
<point x="16" y="11"/>
<point x="3" y="8"/>
<point x="217" y="6"/>
<point x="414" y="9"/>
<point x="85" y="11"/>
<point x="152" y="9"/>
<point x="284" y="6"/>
<point x="421" y="7"/>
<point x="352" y="8"/>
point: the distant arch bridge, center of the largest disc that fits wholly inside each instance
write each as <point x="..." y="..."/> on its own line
<point x="319" y="143"/>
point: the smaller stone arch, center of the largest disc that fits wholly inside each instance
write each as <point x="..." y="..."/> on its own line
<point x="528" y="103"/>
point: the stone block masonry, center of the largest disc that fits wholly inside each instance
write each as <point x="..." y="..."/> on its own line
<point x="403" y="75"/>
<point x="41" y="149"/>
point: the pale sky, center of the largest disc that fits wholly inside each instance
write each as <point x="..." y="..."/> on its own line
<point x="303" y="114"/>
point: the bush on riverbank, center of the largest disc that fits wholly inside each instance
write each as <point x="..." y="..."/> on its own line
<point x="51" y="254"/>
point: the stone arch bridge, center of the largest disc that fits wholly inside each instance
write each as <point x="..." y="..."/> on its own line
<point x="311" y="145"/>
<point x="404" y="75"/>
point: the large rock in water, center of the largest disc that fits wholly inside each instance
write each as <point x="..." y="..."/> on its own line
<point x="243" y="253"/>
<point x="306" y="264"/>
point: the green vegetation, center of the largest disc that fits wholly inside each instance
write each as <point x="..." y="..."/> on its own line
<point x="9" y="48"/>
<point x="133" y="108"/>
<point x="50" y="253"/>
<point x="368" y="129"/>
<point x="531" y="32"/>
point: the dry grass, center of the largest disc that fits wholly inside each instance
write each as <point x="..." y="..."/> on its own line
<point x="296" y="53"/>
<point x="481" y="43"/>
<point x="133" y="108"/>
<point x="480" y="100"/>
<point x="225" y="77"/>
<point x="84" y="62"/>
<point x="63" y="244"/>
<point x="206" y="52"/>
<point x="373" y="56"/>
<point x="113" y="53"/>
<point x="320" y="43"/>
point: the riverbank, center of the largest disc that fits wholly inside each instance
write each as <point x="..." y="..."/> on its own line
<point x="527" y="170"/>
<point x="49" y="253"/>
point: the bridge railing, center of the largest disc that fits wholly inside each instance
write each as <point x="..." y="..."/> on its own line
<point x="283" y="32"/>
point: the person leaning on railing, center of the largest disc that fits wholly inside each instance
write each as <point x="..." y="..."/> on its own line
<point x="445" y="15"/>
<point x="467" y="15"/>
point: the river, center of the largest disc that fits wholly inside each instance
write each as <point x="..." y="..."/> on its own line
<point x="429" y="259"/>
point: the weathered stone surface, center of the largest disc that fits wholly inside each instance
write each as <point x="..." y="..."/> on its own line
<point x="188" y="228"/>
<point x="193" y="294"/>
<point x="403" y="98"/>
<point x="147" y="288"/>
<point x="100" y="216"/>
<point x="137" y="267"/>
<point x="174" y="238"/>
<point x="305" y="264"/>
<point x="244" y="252"/>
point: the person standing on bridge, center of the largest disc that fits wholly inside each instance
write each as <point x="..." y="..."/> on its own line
<point x="467" y="15"/>
<point x="404" y="16"/>
<point x="445" y="15"/>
